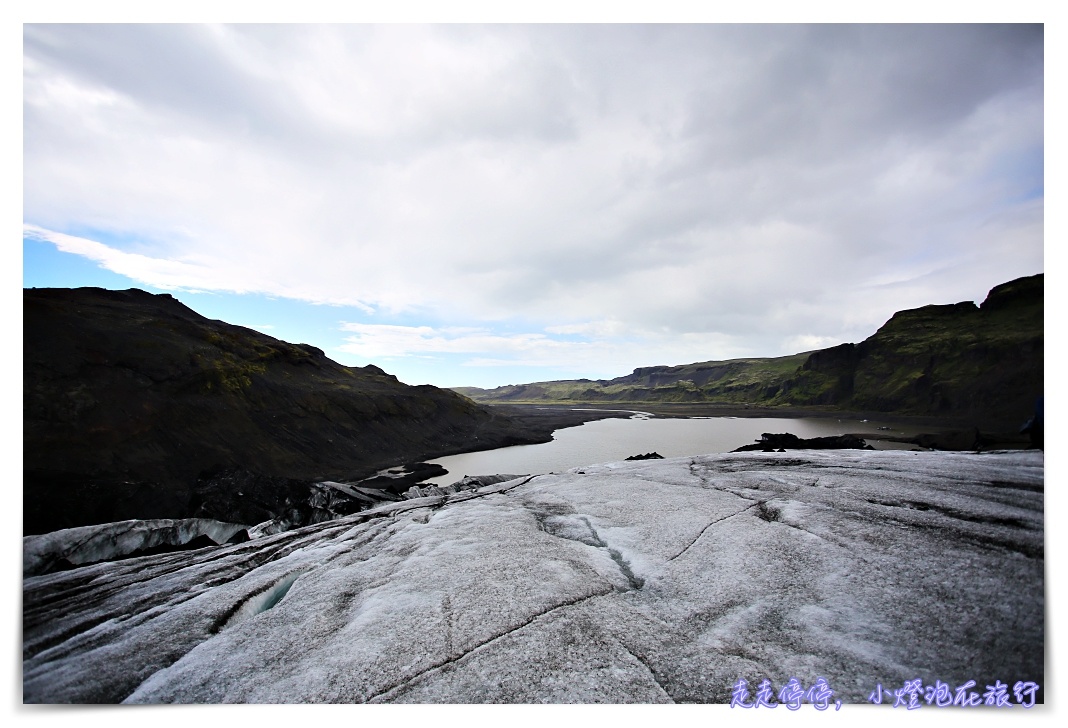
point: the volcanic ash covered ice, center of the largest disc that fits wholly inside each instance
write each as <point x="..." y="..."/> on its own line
<point x="650" y="581"/>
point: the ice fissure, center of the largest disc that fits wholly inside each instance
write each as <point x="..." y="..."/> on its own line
<point x="259" y="602"/>
<point x="455" y="658"/>
<point x="701" y="533"/>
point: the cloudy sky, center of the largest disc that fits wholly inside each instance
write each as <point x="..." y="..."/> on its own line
<point x="483" y="205"/>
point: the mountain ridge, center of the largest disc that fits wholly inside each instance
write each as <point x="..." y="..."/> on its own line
<point x="133" y="403"/>
<point x="959" y="360"/>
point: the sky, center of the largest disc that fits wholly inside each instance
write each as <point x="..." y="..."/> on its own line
<point x="493" y="204"/>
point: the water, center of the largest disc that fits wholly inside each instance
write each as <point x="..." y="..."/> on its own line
<point x="611" y="440"/>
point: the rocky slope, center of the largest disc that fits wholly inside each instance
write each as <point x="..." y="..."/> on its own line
<point x="653" y="581"/>
<point x="977" y="364"/>
<point x="137" y="407"/>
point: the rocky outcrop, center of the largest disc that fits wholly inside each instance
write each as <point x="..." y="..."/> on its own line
<point x="659" y="581"/>
<point x="986" y="361"/>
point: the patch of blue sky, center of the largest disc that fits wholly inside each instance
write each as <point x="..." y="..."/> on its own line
<point x="44" y="266"/>
<point x="1024" y="170"/>
<point x="139" y="242"/>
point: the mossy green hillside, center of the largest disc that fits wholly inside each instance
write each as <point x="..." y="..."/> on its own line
<point x="961" y="360"/>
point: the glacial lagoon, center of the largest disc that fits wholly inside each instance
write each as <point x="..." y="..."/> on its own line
<point x="617" y="439"/>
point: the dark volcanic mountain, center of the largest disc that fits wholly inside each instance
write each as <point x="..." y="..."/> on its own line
<point x="132" y="402"/>
<point x="977" y="364"/>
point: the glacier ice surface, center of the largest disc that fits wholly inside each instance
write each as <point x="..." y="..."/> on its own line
<point x="647" y="581"/>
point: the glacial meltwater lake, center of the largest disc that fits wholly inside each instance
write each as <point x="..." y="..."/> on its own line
<point x="616" y="439"/>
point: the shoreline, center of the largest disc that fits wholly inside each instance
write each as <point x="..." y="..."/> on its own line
<point x="955" y="433"/>
<point x="682" y="410"/>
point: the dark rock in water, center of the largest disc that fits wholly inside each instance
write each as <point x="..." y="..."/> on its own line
<point x="647" y="456"/>
<point x="769" y="442"/>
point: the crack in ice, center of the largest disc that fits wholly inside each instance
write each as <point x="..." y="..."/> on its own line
<point x="643" y="663"/>
<point x="713" y="523"/>
<point x="456" y="658"/>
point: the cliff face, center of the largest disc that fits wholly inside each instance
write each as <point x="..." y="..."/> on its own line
<point x="130" y="397"/>
<point x="959" y="360"/>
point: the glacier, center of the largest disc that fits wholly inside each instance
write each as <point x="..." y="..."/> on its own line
<point x="71" y="547"/>
<point x="645" y="581"/>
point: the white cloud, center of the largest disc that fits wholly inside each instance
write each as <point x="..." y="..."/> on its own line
<point x="603" y="329"/>
<point x="808" y="342"/>
<point x="162" y="273"/>
<point x="192" y="276"/>
<point x="596" y="356"/>
<point x="744" y="184"/>
<point x="373" y="341"/>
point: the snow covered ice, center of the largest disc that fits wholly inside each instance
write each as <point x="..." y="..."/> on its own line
<point x="647" y="581"/>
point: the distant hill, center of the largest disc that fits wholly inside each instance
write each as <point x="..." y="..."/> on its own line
<point x="959" y="360"/>
<point x="129" y="398"/>
<point x="733" y="381"/>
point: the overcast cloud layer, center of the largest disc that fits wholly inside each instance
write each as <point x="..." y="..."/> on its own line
<point x="592" y="198"/>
